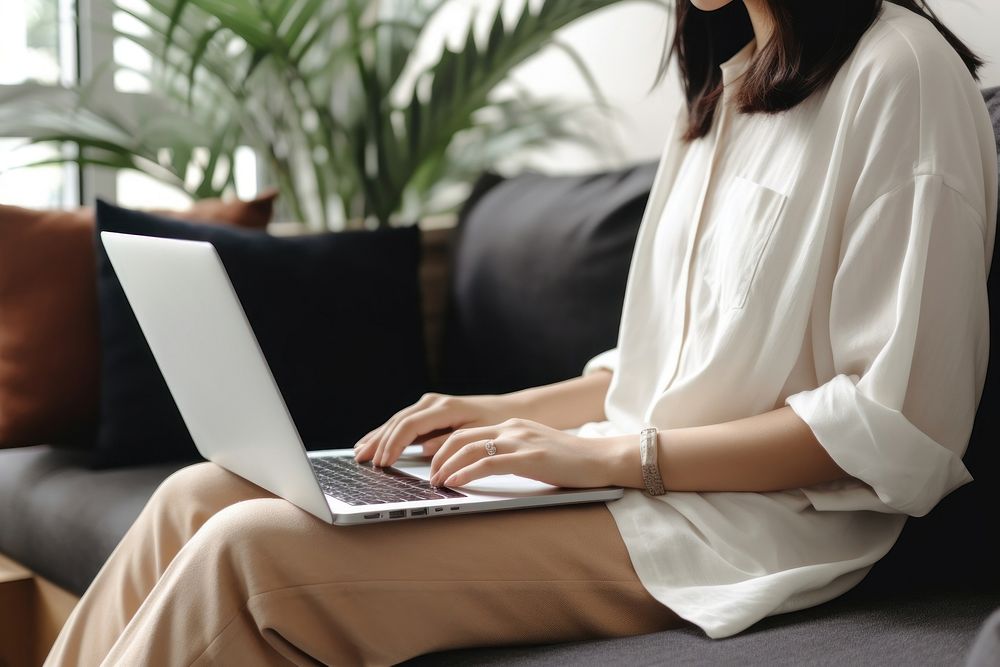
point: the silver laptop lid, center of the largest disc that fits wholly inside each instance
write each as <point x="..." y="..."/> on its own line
<point x="205" y="348"/>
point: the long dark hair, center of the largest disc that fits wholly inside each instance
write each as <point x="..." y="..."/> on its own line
<point x="811" y="40"/>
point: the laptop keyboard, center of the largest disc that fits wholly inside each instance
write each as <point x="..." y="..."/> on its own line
<point x="354" y="483"/>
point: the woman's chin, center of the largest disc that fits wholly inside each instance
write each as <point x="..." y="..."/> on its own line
<point x="710" y="5"/>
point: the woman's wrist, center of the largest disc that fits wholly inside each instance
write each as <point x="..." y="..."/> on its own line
<point x="519" y="404"/>
<point x="566" y="404"/>
<point x="621" y="462"/>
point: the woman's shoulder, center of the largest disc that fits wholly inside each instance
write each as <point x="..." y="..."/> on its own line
<point x="901" y="48"/>
<point x="912" y="106"/>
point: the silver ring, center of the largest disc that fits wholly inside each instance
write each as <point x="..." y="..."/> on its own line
<point x="491" y="447"/>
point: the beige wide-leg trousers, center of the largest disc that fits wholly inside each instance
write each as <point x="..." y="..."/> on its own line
<point x="216" y="571"/>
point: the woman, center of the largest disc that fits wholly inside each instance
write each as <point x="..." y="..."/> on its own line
<point x="805" y="324"/>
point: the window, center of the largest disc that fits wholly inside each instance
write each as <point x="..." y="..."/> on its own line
<point x="51" y="186"/>
<point x="37" y="48"/>
<point x="133" y="63"/>
<point x="46" y="45"/>
<point x="37" y="42"/>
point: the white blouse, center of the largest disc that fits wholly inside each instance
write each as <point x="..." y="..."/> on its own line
<point x="832" y="258"/>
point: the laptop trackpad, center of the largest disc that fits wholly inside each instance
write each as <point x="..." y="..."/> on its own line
<point x="413" y="462"/>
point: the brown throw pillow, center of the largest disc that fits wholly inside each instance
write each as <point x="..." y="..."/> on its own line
<point x="49" y="345"/>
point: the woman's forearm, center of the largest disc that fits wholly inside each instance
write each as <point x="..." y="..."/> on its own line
<point x="771" y="451"/>
<point x="565" y="404"/>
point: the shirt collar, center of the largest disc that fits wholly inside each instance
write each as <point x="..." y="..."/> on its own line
<point x="736" y="66"/>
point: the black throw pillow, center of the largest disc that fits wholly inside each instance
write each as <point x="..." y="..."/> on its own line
<point x="337" y="316"/>
<point x="538" y="277"/>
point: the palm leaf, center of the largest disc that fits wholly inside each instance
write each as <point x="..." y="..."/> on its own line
<point x="462" y="80"/>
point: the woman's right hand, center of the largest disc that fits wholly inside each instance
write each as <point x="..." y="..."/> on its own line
<point x="430" y="421"/>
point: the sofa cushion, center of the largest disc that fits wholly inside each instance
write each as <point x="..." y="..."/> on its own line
<point x="538" y="277"/>
<point x="337" y="316"/>
<point x="853" y="630"/>
<point x="48" y="317"/>
<point x="985" y="651"/>
<point x="992" y="97"/>
<point x="61" y="519"/>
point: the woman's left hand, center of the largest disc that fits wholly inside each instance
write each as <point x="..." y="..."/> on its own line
<point x="524" y="448"/>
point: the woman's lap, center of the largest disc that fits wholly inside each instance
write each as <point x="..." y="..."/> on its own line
<point x="377" y="593"/>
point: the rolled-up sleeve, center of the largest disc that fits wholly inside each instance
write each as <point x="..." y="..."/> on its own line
<point x="909" y="335"/>
<point x="605" y="360"/>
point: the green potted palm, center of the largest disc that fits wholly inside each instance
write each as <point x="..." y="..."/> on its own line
<point x="316" y="88"/>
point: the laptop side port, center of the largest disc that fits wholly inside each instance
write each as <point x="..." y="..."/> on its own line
<point x="373" y="516"/>
<point x="455" y="509"/>
<point x="418" y="512"/>
<point x="397" y="514"/>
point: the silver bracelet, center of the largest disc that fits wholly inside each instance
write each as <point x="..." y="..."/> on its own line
<point x="647" y="456"/>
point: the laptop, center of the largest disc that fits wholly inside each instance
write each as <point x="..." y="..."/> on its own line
<point x="202" y="341"/>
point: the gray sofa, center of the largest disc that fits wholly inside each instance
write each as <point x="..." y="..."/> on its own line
<point x="922" y="604"/>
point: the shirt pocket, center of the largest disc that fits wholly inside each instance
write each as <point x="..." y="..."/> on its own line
<point x="748" y="216"/>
